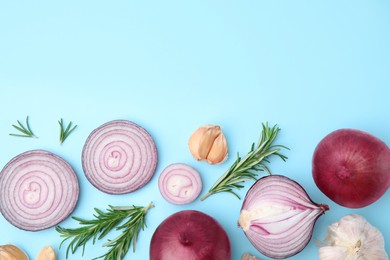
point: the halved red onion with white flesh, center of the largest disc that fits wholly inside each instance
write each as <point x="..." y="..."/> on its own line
<point x="119" y="157"/>
<point x="278" y="216"/>
<point x="38" y="190"/>
<point x="179" y="183"/>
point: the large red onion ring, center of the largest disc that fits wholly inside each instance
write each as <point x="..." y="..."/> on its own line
<point x="179" y="183"/>
<point x="119" y="157"/>
<point x="278" y="216"/>
<point x="38" y="190"/>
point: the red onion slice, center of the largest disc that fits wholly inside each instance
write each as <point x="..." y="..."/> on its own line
<point x="38" y="190"/>
<point x="278" y="216"/>
<point x="119" y="157"/>
<point x="180" y="183"/>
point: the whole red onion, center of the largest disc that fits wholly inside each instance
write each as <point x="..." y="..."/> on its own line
<point x="190" y="234"/>
<point x="352" y="167"/>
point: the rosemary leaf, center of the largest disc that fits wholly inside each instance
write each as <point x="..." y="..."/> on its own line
<point x="25" y="130"/>
<point x="246" y="168"/>
<point x="103" y="222"/>
<point x="65" y="132"/>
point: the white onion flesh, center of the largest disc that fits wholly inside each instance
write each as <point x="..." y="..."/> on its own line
<point x="180" y="183"/>
<point x="278" y="216"/>
<point x="38" y="190"/>
<point x="119" y="157"/>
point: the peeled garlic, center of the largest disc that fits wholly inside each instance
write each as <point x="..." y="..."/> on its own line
<point x="352" y="237"/>
<point x="11" y="252"/>
<point x="208" y="143"/>
<point x="46" y="253"/>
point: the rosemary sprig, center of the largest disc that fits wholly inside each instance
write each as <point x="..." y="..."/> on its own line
<point x="244" y="169"/>
<point x="25" y="130"/>
<point x="65" y="132"/>
<point x="102" y="224"/>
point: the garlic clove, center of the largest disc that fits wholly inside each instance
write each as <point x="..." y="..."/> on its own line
<point x="206" y="140"/>
<point x="193" y="143"/>
<point x="208" y="143"/>
<point x="218" y="152"/>
<point x="247" y="256"/>
<point x="46" y="253"/>
<point x="11" y="252"/>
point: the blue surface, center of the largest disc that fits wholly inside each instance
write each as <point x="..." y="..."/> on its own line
<point x="309" y="66"/>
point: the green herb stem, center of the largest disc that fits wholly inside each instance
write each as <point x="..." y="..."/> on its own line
<point x="25" y="130"/>
<point x="244" y="169"/>
<point x="65" y="132"/>
<point x="102" y="224"/>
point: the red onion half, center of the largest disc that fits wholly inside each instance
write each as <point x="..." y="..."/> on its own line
<point x="119" y="157"/>
<point x="278" y="216"/>
<point x="38" y="190"/>
<point x="179" y="183"/>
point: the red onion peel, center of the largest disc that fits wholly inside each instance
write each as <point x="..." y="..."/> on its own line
<point x="352" y="167"/>
<point x="189" y="234"/>
<point x="179" y="183"/>
<point x="38" y="190"/>
<point x="119" y="157"/>
<point x="278" y="217"/>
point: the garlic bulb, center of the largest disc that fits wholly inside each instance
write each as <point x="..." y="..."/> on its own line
<point x="208" y="143"/>
<point x="11" y="252"/>
<point x="352" y="237"/>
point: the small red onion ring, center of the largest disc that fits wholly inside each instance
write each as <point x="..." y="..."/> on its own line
<point x="179" y="183"/>
<point x="119" y="157"/>
<point x="38" y="190"/>
<point x="278" y="216"/>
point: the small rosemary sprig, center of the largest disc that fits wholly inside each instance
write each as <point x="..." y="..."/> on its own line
<point x="245" y="168"/>
<point x="25" y="130"/>
<point x="102" y="224"/>
<point x="65" y="132"/>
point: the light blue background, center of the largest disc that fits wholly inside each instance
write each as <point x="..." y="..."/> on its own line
<point x="309" y="66"/>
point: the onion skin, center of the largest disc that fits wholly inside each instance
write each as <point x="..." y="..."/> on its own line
<point x="179" y="183"/>
<point x="38" y="190"/>
<point x="352" y="167"/>
<point x="119" y="157"/>
<point x="190" y="234"/>
<point x="278" y="216"/>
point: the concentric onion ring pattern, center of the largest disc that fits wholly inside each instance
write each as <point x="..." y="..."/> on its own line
<point x="179" y="183"/>
<point x="119" y="157"/>
<point x="38" y="190"/>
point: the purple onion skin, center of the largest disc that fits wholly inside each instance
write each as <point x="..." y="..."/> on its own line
<point x="352" y="167"/>
<point x="273" y="244"/>
<point x="190" y="234"/>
